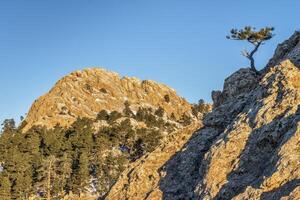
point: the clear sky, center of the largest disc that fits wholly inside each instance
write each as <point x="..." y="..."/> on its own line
<point x="177" y="42"/>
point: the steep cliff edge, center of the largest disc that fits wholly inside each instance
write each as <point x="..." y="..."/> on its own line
<point x="248" y="147"/>
<point x="85" y="93"/>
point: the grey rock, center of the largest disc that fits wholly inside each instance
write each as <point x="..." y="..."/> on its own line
<point x="289" y="49"/>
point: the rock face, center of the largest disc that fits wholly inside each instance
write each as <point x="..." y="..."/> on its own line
<point x="247" y="148"/>
<point x="238" y="83"/>
<point x="85" y="93"/>
<point x="289" y="49"/>
<point x="141" y="179"/>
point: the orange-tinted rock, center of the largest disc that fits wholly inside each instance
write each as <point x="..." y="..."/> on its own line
<point x="87" y="92"/>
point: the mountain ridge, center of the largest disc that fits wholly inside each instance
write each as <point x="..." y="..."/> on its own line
<point x="85" y="93"/>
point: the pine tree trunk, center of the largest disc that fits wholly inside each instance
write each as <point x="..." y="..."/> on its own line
<point x="250" y="56"/>
<point x="252" y="64"/>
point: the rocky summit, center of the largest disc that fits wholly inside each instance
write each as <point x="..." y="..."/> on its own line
<point x="85" y="93"/>
<point x="247" y="146"/>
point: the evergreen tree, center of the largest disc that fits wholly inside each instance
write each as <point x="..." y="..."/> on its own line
<point x="256" y="38"/>
<point x="167" y="98"/>
<point x="81" y="138"/>
<point x="127" y="130"/>
<point x="103" y="115"/>
<point x="8" y="125"/>
<point x="5" y="144"/>
<point x="52" y="163"/>
<point x="185" y="120"/>
<point x="31" y="143"/>
<point x="47" y="176"/>
<point x="81" y="175"/>
<point x="83" y="172"/>
<point x="173" y="117"/>
<point x="141" y="114"/>
<point x="22" y="188"/>
<point x="127" y="111"/>
<point x="114" y="116"/>
<point x="64" y="171"/>
<point x="160" y="112"/>
<point x="5" y="188"/>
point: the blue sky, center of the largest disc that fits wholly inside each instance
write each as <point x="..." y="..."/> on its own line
<point x="176" y="42"/>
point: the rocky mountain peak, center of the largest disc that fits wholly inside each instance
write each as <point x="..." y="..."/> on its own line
<point x="85" y="93"/>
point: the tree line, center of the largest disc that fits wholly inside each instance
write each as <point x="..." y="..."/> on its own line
<point x="50" y="163"/>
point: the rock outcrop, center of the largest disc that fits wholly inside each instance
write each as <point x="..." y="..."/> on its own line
<point x="85" y="93"/>
<point x="248" y="147"/>
<point x="289" y="49"/>
<point x="238" y="83"/>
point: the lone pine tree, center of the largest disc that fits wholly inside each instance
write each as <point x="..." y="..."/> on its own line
<point x="256" y="38"/>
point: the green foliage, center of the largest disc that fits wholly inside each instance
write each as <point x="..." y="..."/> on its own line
<point x="46" y="176"/>
<point x="5" y="187"/>
<point x="103" y="115"/>
<point x="173" y="117"/>
<point x="256" y="38"/>
<point x="167" y="98"/>
<point x="64" y="171"/>
<point x="127" y="111"/>
<point x="56" y="162"/>
<point x="251" y="35"/>
<point x="146" y="115"/>
<point x="201" y="107"/>
<point x="185" y="120"/>
<point x="141" y="114"/>
<point x="80" y="178"/>
<point x="160" y="112"/>
<point x="148" y="141"/>
<point x="114" y="115"/>
<point x="8" y="125"/>
<point x="23" y="186"/>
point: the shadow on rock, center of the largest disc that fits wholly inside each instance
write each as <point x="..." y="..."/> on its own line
<point x="257" y="160"/>
<point x="283" y="191"/>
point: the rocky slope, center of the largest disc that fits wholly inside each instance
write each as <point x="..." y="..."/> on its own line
<point x="248" y="147"/>
<point x="141" y="179"/>
<point x="85" y="93"/>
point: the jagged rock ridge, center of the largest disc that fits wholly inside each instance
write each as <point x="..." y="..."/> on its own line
<point x="248" y="147"/>
<point x="85" y="93"/>
<point x="289" y="49"/>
